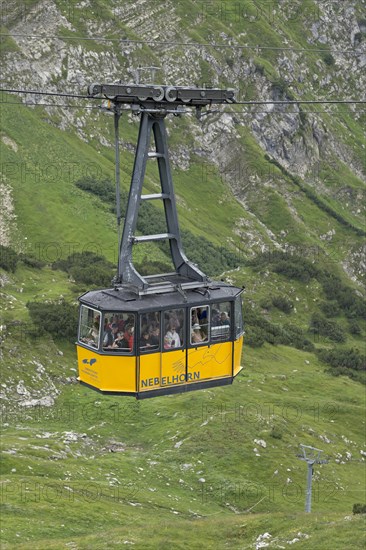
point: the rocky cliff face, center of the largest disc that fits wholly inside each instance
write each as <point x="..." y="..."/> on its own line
<point x="305" y="50"/>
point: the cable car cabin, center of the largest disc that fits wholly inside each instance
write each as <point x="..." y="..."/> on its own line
<point x="159" y="344"/>
<point x="157" y="334"/>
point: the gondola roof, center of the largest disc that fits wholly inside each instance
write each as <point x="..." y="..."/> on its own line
<point x="123" y="299"/>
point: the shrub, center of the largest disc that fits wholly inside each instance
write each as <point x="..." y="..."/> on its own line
<point x="294" y="270"/>
<point x="296" y="338"/>
<point x="104" y="189"/>
<point x="328" y="59"/>
<point x="279" y="87"/>
<point x="290" y="265"/>
<point x="8" y="258"/>
<point x="321" y="326"/>
<point x="276" y="433"/>
<point x="266" y="303"/>
<point x="330" y="309"/>
<point x="354" y="327"/>
<point x="282" y="303"/>
<point x="148" y="267"/>
<point x="357" y="38"/>
<point x="260" y="330"/>
<point x="31" y="261"/>
<point x="359" y="508"/>
<point x="344" y="358"/>
<point x="254" y="337"/>
<point x="350" y="373"/>
<point x="87" y="268"/>
<point x="352" y="305"/>
<point x="57" y="318"/>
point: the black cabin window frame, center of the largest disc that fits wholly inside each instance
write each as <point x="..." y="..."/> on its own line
<point x="116" y="351"/>
<point x="86" y="344"/>
<point x="238" y="324"/>
<point x="182" y="335"/>
<point x="207" y="341"/>
<point x="229" y="310"/>
<point x="140" y="351"/>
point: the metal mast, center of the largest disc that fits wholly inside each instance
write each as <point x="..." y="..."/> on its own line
<point x="311" y="455"/>
<point x="153" y="103"/>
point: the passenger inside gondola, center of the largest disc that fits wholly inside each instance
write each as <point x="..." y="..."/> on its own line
<point x="172" y="339"/>
<point x="224" y="319"/>
<point x="129" y="335"/>
<point x="110" y="335"/>
<point x="145" y="340"/>
<point x="196" y="334"/>
<point x="154" y="332"/>
<point x="120" y="342"/>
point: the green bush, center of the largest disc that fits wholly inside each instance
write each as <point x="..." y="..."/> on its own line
<point x="330" y="309"/>
<point x="254" y="337"/>
<point x="282" y="303"/>
<point x="104" y="189"/>
<point x="297" y="338"/>
<point x="266" y="303"/>
<point x="290" y="265"/>
<point x="60" y="319"/>
<point x="294" y="270"/>
<point x="279" y="88"/>
<point x="321" y="326"/>
<point x="352" y="305"/>
<point x="350" y="373"/>
<point x="359" y="508"/>
<point x="345" y="358"/>
<point x="87" y="268"/>
<point x="276" y="433"/>
<point x="148" y="267"/>
<point x="260" y="330"/>
<point x="8" y="258"/>
<point x="31" y="261"/>
<point x="328" y="59"/>
<point x="354" y="327"/>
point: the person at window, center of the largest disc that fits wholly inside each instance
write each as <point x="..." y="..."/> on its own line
<point x="215" y="322"/>
<point x="224" y="319"/>
<point x="154" y="331"/>
<point x="196" y="335"/>
<point x="110" y="335"/>
<point x="145" y="341"/>
<point x="128" y="335"/>
<point x="172" y="339"/>
<point x="113" y="321"/>
<point x="120" y="342"/>
<point x="173" y="319"/>
<point x="202" y="315"/>
<point x="194" y="317"/>
<point x="93" y="335"/>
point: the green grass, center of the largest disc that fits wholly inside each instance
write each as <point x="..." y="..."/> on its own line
<point x="152" y="493"/>
<point x="62" y="492"/>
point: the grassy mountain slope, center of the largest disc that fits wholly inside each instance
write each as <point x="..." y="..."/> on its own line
<point x="216" y="468"/>
<point x="99" y="470"/>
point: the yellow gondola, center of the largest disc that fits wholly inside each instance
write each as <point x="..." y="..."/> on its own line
<point x="159" y="334"/>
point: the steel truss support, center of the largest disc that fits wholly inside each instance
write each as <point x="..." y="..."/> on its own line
<point x="151" y="124"/>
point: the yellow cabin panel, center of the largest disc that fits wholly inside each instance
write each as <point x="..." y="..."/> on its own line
<point x="209" y="362"/>
<point x="89" y="367"/>
<point x="238" y="346"/>
<point x="150" y="367"/>
<point x="105" y="372"/>
<point x="173" y="368"/>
